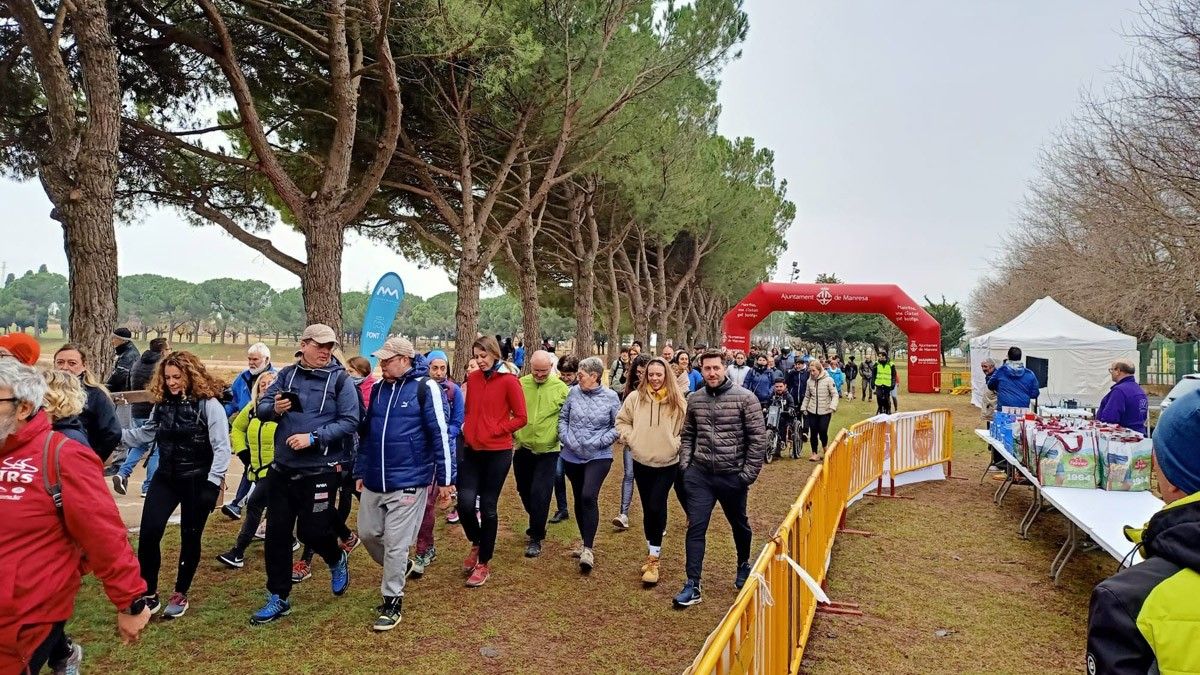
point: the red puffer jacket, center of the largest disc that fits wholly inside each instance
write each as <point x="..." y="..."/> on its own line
<point x="494" y="410"/>
<point x="41" y="550"/>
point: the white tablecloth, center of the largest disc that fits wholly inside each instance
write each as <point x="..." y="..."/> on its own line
<point x="1101" y="514"/>
<point x="1065" y="412"/>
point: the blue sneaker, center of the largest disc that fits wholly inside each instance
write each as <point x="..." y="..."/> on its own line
<point x="690" y="595"/>
<point x="276" y="608"/>
<point x="743" y="573"/>
<point x="340" y="575"/>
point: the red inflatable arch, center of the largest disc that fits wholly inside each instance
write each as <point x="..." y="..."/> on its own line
<point x="923" y="331"/>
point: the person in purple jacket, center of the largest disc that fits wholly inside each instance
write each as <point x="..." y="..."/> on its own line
<point x="1125" y="403"/>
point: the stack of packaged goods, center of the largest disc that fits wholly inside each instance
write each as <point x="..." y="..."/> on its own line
<point x="1076" y="453"/>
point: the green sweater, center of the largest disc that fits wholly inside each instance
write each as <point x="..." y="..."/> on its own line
<point x="542" y="403"/>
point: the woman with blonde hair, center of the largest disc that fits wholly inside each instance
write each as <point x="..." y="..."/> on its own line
<point x="820" y="402"/>
<point x="188" y="424"/>
<point x="64" y="403"/>
<point x="649" y="424"/>
<point x="256" y="439"/>
<point x="99" y="415"/>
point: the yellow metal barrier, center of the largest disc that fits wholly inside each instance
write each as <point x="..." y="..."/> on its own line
<point x="768" y="626"/>
<point x="922" y="440"/>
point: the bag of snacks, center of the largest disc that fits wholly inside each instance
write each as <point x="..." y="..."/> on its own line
<point x="1126" y="461"/>
<point x="1069" y="459"/>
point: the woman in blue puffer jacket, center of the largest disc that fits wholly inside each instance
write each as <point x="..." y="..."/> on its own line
<point x="587" y="428"/>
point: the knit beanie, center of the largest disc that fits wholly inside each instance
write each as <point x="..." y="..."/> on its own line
<point x="1177" y="442"/>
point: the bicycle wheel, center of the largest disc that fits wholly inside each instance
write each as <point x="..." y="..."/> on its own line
<point x="772" y="439"/>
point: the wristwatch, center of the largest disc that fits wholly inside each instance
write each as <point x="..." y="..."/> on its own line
<point x="135" y="608"/>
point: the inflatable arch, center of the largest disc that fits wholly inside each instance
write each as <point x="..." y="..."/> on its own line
<point x="923" y="331"/>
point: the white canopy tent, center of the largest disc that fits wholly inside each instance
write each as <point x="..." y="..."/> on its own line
<point x="1079" y="352"/>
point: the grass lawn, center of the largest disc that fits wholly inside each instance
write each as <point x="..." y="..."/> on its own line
<point x="948" y="559"/>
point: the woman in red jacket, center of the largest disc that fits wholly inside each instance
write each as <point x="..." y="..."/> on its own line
<point x="42" y="544"/>
<point x="494" y="411"/>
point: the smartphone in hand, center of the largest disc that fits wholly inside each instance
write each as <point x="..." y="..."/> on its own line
<point x="294" y="398"/>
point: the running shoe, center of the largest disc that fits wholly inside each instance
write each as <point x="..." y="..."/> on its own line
<point x="276" y="608"/>
<point x="743" y="573"/>
<point x="232" y="559"/>
<point x="690" y="595"/>
<point x="351" y="543"/>
<point x="120" y="484"/>
<point x="301" y="571"/>
<point x="232" y="511"/>
<point x="587" y="560"/>
<point x="177" y="606"/>
<point x="389" y="614"/>
<point x="152" y="603"/>
<point x="70" y="665"/>
<point x="621" y="522"/>
<point x="471" y="561"/>
<point x="339" y="575"/>
<point x="479" y="576"/>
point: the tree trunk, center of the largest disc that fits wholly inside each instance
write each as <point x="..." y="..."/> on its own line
<point x="614" y="313"/>
<point x="466" y="315"/>
<point x="321" y="283"/>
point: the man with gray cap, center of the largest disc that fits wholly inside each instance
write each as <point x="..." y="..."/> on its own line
<point x="318" y="410"/>
<point x="405" y="447"/>
<point x="1143" y="619"/>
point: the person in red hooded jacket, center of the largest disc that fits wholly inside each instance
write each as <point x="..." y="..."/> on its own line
<point x="43" y="544"/>
<point x="494" y="411"/>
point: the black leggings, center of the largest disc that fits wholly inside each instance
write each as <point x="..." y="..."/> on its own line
<point x="818" y="430"/>
<point x="654" y="485"/>
<point x="196" y="498"/>
<point x="252" y="511"/>
<point x="586" y="480"/>
<point x="482" y="474"/>
<point x="54" y="649"/>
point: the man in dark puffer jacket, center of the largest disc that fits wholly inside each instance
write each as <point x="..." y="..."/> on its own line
<point x="723" y="445"/>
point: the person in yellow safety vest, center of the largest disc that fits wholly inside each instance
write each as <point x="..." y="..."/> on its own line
<point x="885" y="380"/>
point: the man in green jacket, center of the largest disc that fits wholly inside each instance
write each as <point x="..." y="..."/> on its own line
<point x="1144" y="619"/>
<point x="536" y="457"/>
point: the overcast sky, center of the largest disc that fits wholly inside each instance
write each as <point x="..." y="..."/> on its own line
<point x="907" y="132"/>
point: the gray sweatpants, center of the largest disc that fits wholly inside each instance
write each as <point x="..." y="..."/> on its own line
<point x="388" y="524"/>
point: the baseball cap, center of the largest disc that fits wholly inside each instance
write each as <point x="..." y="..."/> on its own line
<point x="396" y="346"/>
<point x="123" y="333"/>
<point x="320" y="334"/>
<point x="23" y="346"/>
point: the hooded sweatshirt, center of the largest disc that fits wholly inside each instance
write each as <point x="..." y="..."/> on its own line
<point x="42" y="547"/>
<point x="1143" y="619"/>
<point x="1014" y="385"/>
<point x="650" y="429"/>
<point x="330" y="406"/>
<point x="543" y="402"/>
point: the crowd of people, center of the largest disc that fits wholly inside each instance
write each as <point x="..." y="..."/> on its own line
<point x="317" y="435"/>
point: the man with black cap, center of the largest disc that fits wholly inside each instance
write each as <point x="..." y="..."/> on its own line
<point x="1143" y="619"/>
<point x="318" y="410"/>
<point x="127" y="355"/>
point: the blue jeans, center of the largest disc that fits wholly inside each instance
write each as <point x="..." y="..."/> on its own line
<point x="627" y="482"/>
<point x="136" y="455"/>
<point x="560" y="487"/>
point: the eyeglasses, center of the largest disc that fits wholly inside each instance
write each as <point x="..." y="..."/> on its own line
<point x="10" y="399"/>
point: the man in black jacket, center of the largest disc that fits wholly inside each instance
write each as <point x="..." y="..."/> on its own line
<point x="722" y="448"/>
<point x="127" y="355"/>
<point x="139" y="380"/>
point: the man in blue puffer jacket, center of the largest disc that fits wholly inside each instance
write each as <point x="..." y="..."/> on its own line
<point x="1013" y="383"/>
<point x="406" y="445"/>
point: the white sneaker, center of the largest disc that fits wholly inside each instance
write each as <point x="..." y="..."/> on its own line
<point x="261" y="532"/>
<point x="587" y="560"/>
<point x="621" y="522"/>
